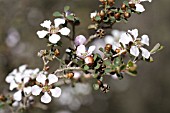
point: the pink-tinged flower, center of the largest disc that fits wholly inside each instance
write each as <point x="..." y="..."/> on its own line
<point x="132" y="36"/>
<point x="79" y="40"/>
<point x="83" y="53"/>
<point x="138" y="6"/>
<point x="46" y="87"/>
<point x="53" y="30"/>
<point x="18" y="79"/>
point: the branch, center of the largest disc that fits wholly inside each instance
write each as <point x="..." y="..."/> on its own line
<point x="92" y="37"/>
<point x="67" y="68"/>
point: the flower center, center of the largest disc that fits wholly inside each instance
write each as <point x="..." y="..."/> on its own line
<point x="46" y="88"/>
<point x="54" y="30"/>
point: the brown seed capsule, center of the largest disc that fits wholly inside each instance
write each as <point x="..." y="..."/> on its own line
<point x="100" y="33"/>
<point x="123" y="7"/>
<point x="102" y="14"/>
<point x="89" y="60"/>
<point x="56" y="52"/>
<point x="108" y="47"/>
<point x="70" y="75"/>
<point x="127" y="15"/>
<point x="132" y="5"/>
<point x="117" y="16"/>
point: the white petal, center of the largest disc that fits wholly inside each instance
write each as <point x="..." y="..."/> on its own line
<point x="18" y="96"/>
<point x="134" y="32"/>
<point x="79" y="40"/>
<point x="9" y="78"/>
<point x="52" y="79"/>
<point x="125" y="38"/>
<point x="116" y="33"/>
<point x="139" y="8"/>
<point x="81" y="49"/>
<point x="18" y="78"/>
<point x="42" y="34"/>
<point x="41" y="78"/>
<point x="46" y="98"/>
<point x="36" y="90"/>
<point x="59" y="21"/>
<point x="46" y="24"/>
<point x="145" y="40"/>
<point x="27" y="90"/>
<point x="92" y="15"/>
<point x="134" y="51"/>
<point x="145" y="0"/>
<point x="22" y="68"/>
<point x="15" y="104"/>
<point x="14" y="72"/>
<point x="64" y="31"/>
<point x="91" y="49"/>
<point x="54" y="38"/>
<point x="109" y="39"/>
<point x="13" y="85"/>
<point x="56" y="92"/>
<point x="145" y="53"/>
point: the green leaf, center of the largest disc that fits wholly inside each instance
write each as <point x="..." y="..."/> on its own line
<point x="97" y="18"/>
<point x="122" y="67"/>
<point x="117" y="61"/>
<point x="70" y="17"/>
<point x="86" y="67"/>
<point x="156" y="48"/>
<point x="57" y="14"/>
<point x="108" y="70"/>
<point x="98" y="66"/>
<point x="130" y="64"/>
<point x="112" y="18"/>
<point x="95" y="75"/>
<point x="66" y="8"/>
<point x="101" y="49"/>
<point x="126" y="3"/>
<point x="96" y="86"/>
<point x="107" y="62"/>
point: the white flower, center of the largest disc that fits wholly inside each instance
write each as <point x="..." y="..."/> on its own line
<point x="132" y="36"/>
<point x="82" y="53"/>
<point x="53" y="30"/>
<point x="18" y="79"/>
<point x="138" y="6"/>
<point x="114" y="39"/>
<point x="92" y="15"/>
<point x="46" y="87"/>
<point x="79" y="40"/>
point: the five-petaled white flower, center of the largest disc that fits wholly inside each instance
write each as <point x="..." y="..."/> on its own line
<point x="18" y="80"/>
<point x="131" y="36"/>
<point x="46" y="86"/>
<point x="53" y="30"/>
<point x="138" y="6"/>
<point x="83" y="53"/>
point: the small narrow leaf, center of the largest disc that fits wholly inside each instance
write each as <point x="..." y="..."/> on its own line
<point x="66" y="8"/>
<point x="57" y="14"/>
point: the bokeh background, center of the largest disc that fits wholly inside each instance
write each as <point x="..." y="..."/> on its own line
<point x="149" y="92"/>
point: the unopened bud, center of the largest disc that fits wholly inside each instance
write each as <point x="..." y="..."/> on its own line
<point x="70" y="75"/>
<point x="46" y="68"/>
<point x="111" y="2"/>
<point x="108" y="47"/>
<point x="117" y="16"/>
<point x="127" y="15"/>
<point x="56" y="52"/>
<point x="89" y="60"/>
<point x="102" y="14"/>
<point x="132" y="5"/>
<point x="123" y="7"/>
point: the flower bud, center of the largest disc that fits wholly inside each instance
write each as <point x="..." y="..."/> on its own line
<point x="132" y="5"/>
<point x="108" y="47"/>
<point x="102" y="14"/>
<point x="127" y="15"/>
<point x="89" y="60"/>
<point x="56" y="52"/>
<point x="117" y="16"/>
<point x="123" y="7"/>
<point x="46" y="68"/>
<point x="70" y="75"/>
<point x="111" y="2"/>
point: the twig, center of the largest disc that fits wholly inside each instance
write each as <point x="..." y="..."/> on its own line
<point x="67" y="68"/>
<point x="92" y="37"/>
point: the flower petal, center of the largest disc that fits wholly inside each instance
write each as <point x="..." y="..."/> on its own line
<point x="56" y="92"/>
<point x="46" y="98"/>
<point x="92" y="15"/>
<point x="22" y="68"/>
<point x="13" y="85"/>
<point x="42" y="34"/>
<point x="9" y="78"/>
<point x="36" y="90"/>
<point x="64" y="31"/>
<point x="139" y="8"/>
<point x="17" y="96"/>
<point x="79" y="40"/>
<point x="91" y="49"/>
<point x="134" y="32"/>
<point x="54" y="38"/>
<point x="145" y="53"/>
<point x="41" y="78"/>
<point x="59" y="21"/>
<point x="125" y="38"/>
<point x="134" y="51"/>
<point x="46" y="24"/>
<point x="52" y="79"/>
<point x="145" y="40"/>
<point x="18" y="78"/>
<point x="81" y="49"/>
<point x="27" y="90"/>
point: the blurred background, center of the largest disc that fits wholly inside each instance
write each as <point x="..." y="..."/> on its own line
<point x="149" y="92"/>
